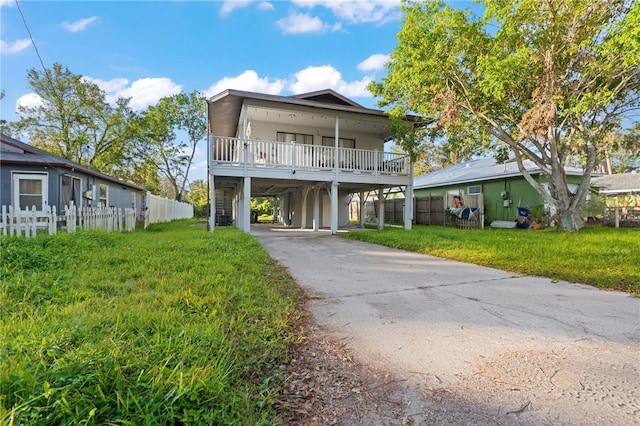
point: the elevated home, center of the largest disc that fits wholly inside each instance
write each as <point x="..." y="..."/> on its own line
<point x="311" y="152"/>
<point x="32" y="177"/>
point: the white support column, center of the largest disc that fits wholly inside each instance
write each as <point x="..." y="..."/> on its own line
<point x="284" y="209"/>
<point x="274" y="204"/>
<point x="381" y="201"/>
<point x="408" y="200"/>
<point x="316" y="208"/>
<point x="238" y="205"/>
<point x="212" y="205"/>
<point x="362" y="207"/>
<point x="335" y="148"/>
<point x="334" y="207"/>
<point x="303" y="219"/>
<point x="246" y="205"/>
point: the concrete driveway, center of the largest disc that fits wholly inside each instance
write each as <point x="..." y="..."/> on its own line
<point x="568" y="353"/>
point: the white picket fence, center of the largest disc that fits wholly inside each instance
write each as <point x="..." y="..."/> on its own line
<point x="161" y="209"/>
<point x="17" y="222"/>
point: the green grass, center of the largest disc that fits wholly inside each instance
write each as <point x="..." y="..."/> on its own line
<point x="607" y="258"/>
<point x="171" y="325"/>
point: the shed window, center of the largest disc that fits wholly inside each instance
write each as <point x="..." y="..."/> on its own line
<point x="104" y="195"/>
<point x="70" y="190"/>
<point x="476" y="189"/>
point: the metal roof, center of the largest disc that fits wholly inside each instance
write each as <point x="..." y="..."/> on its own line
<point x="479" y="170"/>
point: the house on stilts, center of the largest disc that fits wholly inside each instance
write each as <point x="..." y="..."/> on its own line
<point x="313" y="153"/>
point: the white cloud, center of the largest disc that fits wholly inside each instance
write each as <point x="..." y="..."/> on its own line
<point x="248" y="81"/>
<point x="30" y="100"/>
<point x="148" y="91"/>
<point x="8" y="3"/>
<point x="229" y="6"/>
<point x="265" y="5"/>
<point x="78" y="25"/>
<point x="143" y="92"/>
<point x="327" y="77"/>
<point x="307" y="80"/>
<point x="298" y="23"/>
<point x="14" y="47"/>
<point x="113" y="85"/>
<point x="380" y="11"/>
<point x="373" y="62"/>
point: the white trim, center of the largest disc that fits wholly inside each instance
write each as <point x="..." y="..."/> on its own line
<point x="16" y="177"/>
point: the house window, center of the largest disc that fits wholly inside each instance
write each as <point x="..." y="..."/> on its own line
<point x="342" y="142"/>
<point x="30" y="189"/>
<point x="104" y="195"/>
<point x="476" y="189"/>
<point x="70" y="190"/>
<point x="294" y="137"/>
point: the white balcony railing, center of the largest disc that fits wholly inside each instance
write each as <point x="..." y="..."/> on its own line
<point x="263" y="153"/>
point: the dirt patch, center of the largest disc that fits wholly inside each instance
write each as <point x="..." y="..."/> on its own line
<point x="325" y="384"/>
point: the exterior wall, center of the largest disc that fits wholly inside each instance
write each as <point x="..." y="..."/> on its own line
<point x="268" y="131"/>
<point x="324" y="210"/>
<point x="119" y="195"/>
<point x="518" y="191"/>
<point x="6" y="177"/>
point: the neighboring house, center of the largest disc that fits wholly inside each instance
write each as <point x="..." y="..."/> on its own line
<point x="502" y="186"/>
<point x="32" y="177"/>
<point x="622" y="194"/>
<point x="311" y="152"/>
<point x="618" y="185"/>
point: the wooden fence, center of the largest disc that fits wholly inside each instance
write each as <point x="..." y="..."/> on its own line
<point x="430" y="210"/>
<point x="17" y="222"/>
<point x="426" y="210"/>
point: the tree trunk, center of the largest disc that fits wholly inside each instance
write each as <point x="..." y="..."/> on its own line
<point x="569" y="219"/>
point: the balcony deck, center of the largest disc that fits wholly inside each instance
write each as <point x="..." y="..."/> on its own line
<point x="290" y="160"/>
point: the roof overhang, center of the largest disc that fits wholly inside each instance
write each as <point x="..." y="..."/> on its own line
<point x="26" y="154"/>
<point x="226" y="108"/>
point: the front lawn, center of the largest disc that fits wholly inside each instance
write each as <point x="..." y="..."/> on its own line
<point x="603" y="257"/>
<point x="169" y="325"/>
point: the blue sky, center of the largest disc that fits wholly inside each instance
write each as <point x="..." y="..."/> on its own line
<point x="149" y="49"/>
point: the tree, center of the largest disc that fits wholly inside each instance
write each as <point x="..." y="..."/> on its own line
<point x="74" y="121"/>
<point x="622" y="155"/>
<point x="547" y="78"/>
<point x="4" y="125"/>
<point x="159" y="143"/>
<point x="199" y="197"/>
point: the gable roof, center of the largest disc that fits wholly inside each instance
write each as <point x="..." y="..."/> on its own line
<point x="618" y="184"/>
<point x="328" y="96"/>
<point x="12" y="151"/>
<point x="477" y="171"/>
<point x="224" y="109"/>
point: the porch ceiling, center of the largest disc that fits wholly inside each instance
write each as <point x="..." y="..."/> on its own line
<point x="264" y="187"/>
